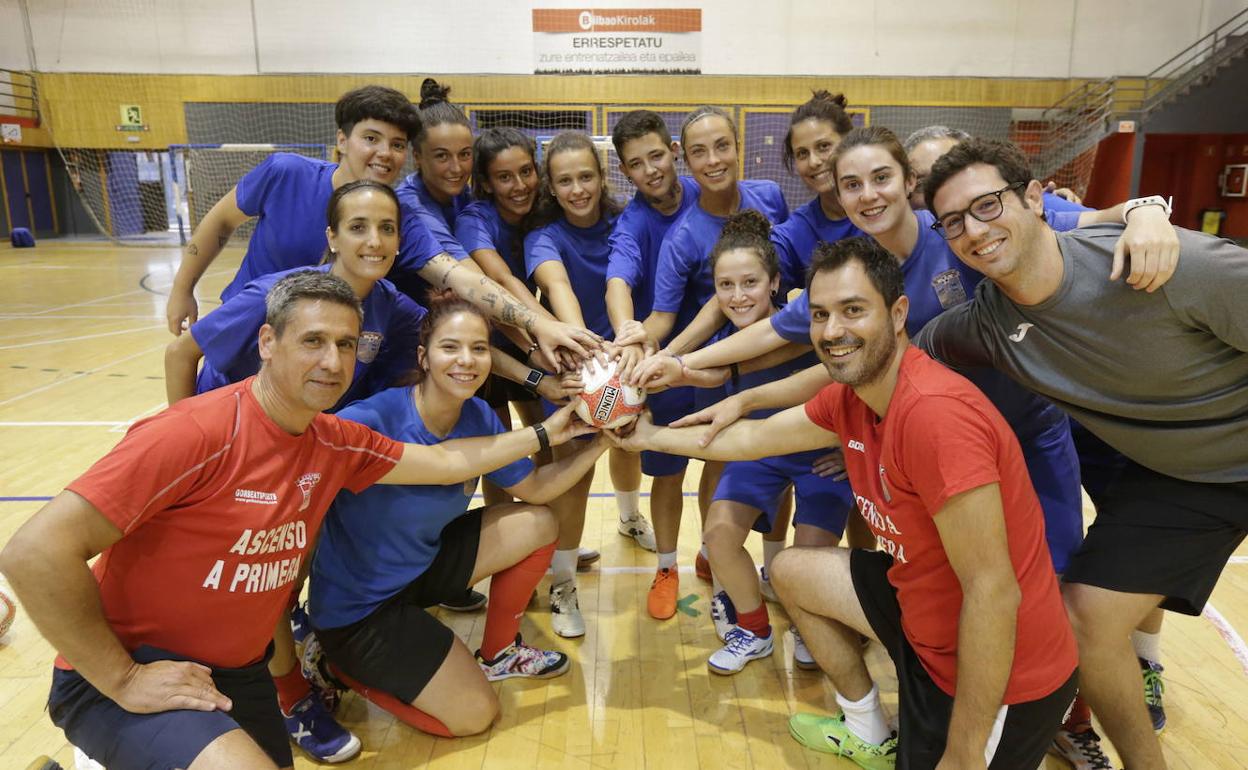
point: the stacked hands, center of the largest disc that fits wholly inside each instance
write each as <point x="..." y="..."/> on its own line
<point x="639" y="363"/>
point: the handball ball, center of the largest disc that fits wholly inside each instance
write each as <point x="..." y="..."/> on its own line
<point x="8" y="611"/>
<point x="606" y="402"/>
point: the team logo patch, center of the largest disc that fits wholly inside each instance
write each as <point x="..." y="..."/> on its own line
<point x="306" y="483"/>
<point x="949" y="289"/>
<point x="369" y="344"/>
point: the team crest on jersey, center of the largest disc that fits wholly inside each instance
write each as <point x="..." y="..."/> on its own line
<point x="369" y="344"/>
<point x="306" y="483"/>
<point x="949" y="289"/>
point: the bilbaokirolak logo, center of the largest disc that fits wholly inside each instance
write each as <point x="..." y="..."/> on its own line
<point x="586" y="20"/>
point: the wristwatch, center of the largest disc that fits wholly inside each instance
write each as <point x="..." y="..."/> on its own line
<point x="1151" y="200"/>
<point x="533" y="379"/>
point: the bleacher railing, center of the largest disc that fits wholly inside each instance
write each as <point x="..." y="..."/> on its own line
<point x="19" y="95"/>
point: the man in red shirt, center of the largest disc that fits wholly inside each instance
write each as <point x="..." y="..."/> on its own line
<point x="962" y="592"/>
<point x="203" y="517"/>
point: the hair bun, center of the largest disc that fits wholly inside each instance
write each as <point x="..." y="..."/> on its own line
<point x="432" y="92"/>
<point x="825" y="95"/>
<point x="747" y="222"/>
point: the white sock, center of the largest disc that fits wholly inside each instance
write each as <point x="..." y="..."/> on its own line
<point x="667" y="560"/>
<point x="628" y="503"/>
<point x="563" y="566"/>
<point x="1147" y="646"/>
<point x="865" y="718"/>
<point x="770" y="549"/>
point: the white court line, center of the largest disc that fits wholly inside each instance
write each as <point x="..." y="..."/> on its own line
<point x="118" y="316"/>
<point x="1238" y="560"/>
<point x="122" y="294"/>
<point x="57" y="341"/>
<point x="62" y="424"/>
<point x="1228" y="634"/>
<point x="125" y="426"/>
<point x="102" y="367"/>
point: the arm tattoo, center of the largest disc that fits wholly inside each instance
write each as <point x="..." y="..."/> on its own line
<point x="192" y="250"/>
<point x="513" y="312"/>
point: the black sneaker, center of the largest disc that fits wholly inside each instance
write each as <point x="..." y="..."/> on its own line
<point x="470" y="601"/>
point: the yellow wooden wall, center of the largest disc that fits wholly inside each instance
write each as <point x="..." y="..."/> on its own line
<point x="82" y="110"/>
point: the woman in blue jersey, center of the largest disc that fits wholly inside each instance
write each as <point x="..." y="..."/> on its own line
<point x="288" y="194"/>
<point x="363" y="235"/>
<point x="437" y="192"/>
<point x="387" y="554"/>
<point x="565" y="254"/>
<point x="746" y="271"/>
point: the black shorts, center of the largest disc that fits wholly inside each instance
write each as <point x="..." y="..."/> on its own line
<point x="1023" y="732"/>
<point x="119" y="739"/>
<point x="400" y="646"/>
<point x="1155" y="534"/>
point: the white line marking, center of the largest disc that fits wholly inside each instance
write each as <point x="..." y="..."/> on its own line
<point x="125" y="426"/>
<point x="1238" y="560"/>
<point x="99" y="368"/>
<point x="118" y="316"/>
<point x="1228" y="634"/>
<point x="147" y="328"/>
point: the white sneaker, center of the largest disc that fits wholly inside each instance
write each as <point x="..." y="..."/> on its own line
<point x="519" y="659"/>
<point x="585" y="557"/>
<point x="1082" y="749"/>
<point x="764" y="586"/>
<point x="739" y="648"/>
<point x="565" y="612"/>
<point x="639" y="529"/>
<point x="723" y="615"/>
<point x="801" y="656"/>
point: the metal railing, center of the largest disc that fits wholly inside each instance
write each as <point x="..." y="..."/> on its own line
<point x="19" y="94"/>
<point x="1196" y="62"/>
<point x="1081" y="118"/>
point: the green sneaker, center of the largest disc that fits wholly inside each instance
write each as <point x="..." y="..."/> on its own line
<point x="830" y="735"/>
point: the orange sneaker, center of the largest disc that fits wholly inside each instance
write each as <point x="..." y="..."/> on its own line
<point x="661" y="601"/>
<point x="702" y="568"/>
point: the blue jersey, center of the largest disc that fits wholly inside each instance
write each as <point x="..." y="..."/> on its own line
<point x="387" y="347"/>
<point x="635" y="244"/>
<point x="584" y="252"/>
<point x="420" y="217"/>
<point x="684" y="272"/>
<point x="288" y="194"/>
<point x="373" y="544"/>
<point x="1055" y="202"/>
<point x="480" y="226"/>
<point x="796" y="237"/>
<point x="439" y="218"/>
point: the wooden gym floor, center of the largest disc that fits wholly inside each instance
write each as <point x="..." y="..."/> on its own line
<point x="82" y="334"/>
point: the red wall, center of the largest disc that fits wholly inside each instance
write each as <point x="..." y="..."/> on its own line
<point x="1187" y="166"/>
<point x="1111" y="173"/>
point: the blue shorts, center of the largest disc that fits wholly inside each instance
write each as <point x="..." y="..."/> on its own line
<point x="1054" y="469"/>
<point x="119" y="739"/>
<point x="667" y="406"/>
<point x="704" y="397"/>
<point x="818" y="501"/>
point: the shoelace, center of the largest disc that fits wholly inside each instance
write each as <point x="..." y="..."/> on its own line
<point x="738" y="641"/>
<point x="1089" y="745"/>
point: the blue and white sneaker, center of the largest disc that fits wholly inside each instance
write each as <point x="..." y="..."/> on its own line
<point x="312" y="729"/>
<point x="723" y="615"/>
<point x="739" y="648"/>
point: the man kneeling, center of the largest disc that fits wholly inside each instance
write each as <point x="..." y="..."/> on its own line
<point x="962" y="594"/>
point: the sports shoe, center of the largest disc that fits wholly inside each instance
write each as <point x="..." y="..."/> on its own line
<point x="723" y="615"/>
<point x="702" y="568"/>
<point x="661" y="600"/>
<point x="312" y="729"/>
<point x="801" y="656"/>
<point x="739" y="648"/>
<point x="565" y="612"/>
<point x="1154" y="688"/>
<point x="639" y="529"/>
<point x="586" y="557"/>
<point x="830" y="735"/>
<point x="519" y="659"/>
<point x="469" y="602"/>
<point x="300" y="625"/>
<point x="1081" y="748"/>
<point x="764" y="586"/>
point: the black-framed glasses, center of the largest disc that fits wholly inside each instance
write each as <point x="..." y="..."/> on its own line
<point x="985" y="208"/>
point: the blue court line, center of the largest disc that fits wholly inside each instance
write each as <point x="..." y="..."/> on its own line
<point x="45" y="499"/>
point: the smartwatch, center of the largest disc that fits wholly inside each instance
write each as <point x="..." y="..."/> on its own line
<point x="1151" y="200"/>
<point x="533" y="379"/>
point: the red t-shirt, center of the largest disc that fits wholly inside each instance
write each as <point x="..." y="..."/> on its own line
<point x="942" y="437"/>
<point x="218" y="507"/>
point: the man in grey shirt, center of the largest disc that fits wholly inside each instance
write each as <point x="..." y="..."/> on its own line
<point x="1161" y="377"/>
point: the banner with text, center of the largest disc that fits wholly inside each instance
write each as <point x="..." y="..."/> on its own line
<point x="574" y="41"/>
